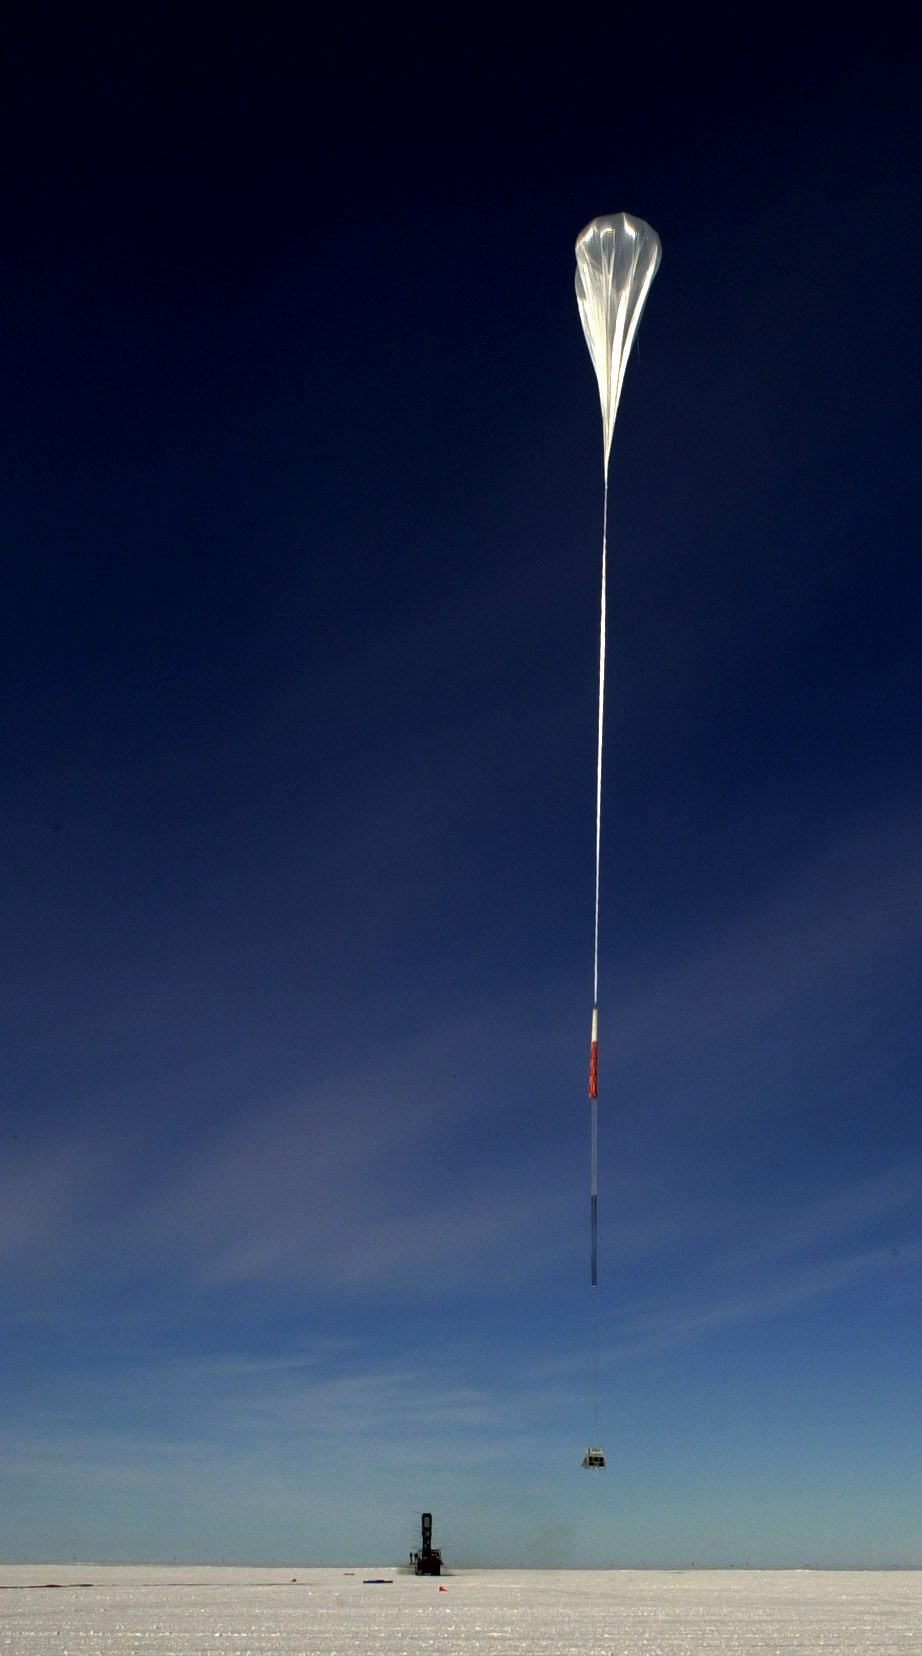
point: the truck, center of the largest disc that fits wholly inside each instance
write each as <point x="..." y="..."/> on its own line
<point x="428" y="1561"/>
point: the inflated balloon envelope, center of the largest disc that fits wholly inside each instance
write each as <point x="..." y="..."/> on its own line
<point x="616" y="260"/>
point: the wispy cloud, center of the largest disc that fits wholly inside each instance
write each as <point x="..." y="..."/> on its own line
<point x="369" y="1179"/>
<point x="435" y="1161"/>
<point x="813" y="947"/>
<point x="48" y="1193"/>
<point x="311" y="1401"/>
<point x="645" y="1331"/>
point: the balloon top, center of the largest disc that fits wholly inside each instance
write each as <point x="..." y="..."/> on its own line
<point x="618" y="225"/>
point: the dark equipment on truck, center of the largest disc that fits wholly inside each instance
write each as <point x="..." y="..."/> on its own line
<point x="428" y="1561"/>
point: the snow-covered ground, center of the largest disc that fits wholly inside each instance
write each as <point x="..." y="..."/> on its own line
<point x="186" y="1610"/>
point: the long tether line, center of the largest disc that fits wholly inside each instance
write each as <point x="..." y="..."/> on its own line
<point x="593" y="1078"/>
<point x="595" y="1367"/>
<point x="598" y="783"/>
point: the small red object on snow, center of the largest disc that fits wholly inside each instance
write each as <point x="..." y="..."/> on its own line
<point x="443" y="1589"/>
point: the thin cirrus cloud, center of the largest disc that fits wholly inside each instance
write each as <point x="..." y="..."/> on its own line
<point x="817" y="943"/>
<point x="645" y="1331"/>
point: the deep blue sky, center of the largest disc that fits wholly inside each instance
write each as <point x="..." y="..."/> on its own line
<point x="302" y="508"/>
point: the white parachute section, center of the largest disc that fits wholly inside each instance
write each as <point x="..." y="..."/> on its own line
<point x="616" y="260"/>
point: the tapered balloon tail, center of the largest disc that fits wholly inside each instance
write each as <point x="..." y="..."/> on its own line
<point x="594" y="1055"/>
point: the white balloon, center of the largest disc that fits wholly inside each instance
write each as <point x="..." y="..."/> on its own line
<point x="616" y="260"/>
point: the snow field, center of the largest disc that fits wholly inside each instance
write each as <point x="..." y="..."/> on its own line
<point x="188" y="1611"/>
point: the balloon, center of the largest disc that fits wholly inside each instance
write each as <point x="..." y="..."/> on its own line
<point x="616" y="260"/>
